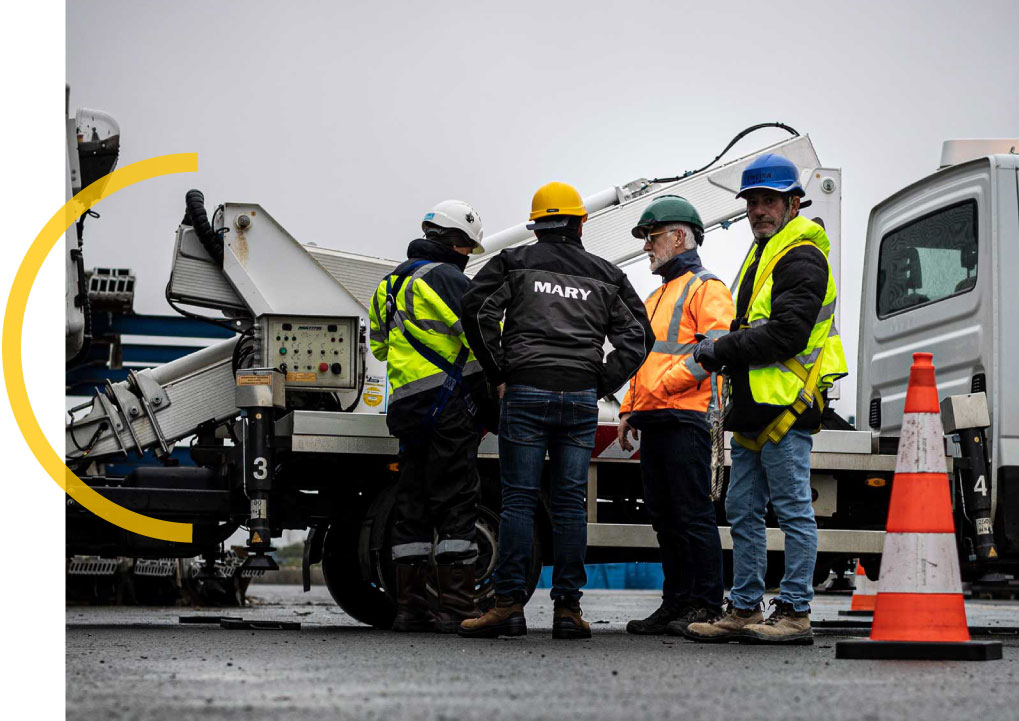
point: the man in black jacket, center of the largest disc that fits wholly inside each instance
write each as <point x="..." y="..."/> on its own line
<point x="560" y="304"/>
<point x="782" y="352"/>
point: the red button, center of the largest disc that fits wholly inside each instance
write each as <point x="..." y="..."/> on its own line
<point x="323" y="367"/>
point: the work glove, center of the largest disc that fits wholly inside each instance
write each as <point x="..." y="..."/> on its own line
<point x="704" y="353"/>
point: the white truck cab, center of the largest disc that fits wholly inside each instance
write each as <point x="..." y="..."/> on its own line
<point x="940" y="276"/>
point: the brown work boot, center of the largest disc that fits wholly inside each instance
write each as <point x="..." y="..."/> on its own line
<point x="456" y="597"/>
<point x="731" y="626"/>
<point x="505" y="618"/>
<point x="567" y="621"/>
<point x="784" y="625"/>
<point x="413" y="611"/>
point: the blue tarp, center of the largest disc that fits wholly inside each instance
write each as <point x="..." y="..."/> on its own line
<point x="615" y="576"/>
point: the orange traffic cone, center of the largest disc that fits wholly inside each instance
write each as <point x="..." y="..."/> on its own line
<point x="920" y="613"/>
<point x="864" y="596"/>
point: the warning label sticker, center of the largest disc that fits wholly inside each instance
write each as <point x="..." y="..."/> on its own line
<point x="370" y="380"/>
<point x="302" y="377"/>
<point x="372" y="396"/>
<point x="254" y="381"/>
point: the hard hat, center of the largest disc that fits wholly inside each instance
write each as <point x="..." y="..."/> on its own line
<point x="457" y="215"/>
<point x="667" y="209"/>
<point x="771" y="172"/>
<point x="557" y="199"/>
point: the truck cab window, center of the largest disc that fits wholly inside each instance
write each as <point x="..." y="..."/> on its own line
<point x="931" y="258"/>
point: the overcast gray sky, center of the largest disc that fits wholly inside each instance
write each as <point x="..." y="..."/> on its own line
<point x="348" y="121"/>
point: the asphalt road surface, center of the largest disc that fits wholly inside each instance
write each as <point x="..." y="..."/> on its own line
<point x="134" y="663"/>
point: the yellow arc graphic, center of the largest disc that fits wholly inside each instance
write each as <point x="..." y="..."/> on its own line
<point x="14" y="322"/>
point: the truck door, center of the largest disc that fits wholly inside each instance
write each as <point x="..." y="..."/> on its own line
<point x="928" y="287"/>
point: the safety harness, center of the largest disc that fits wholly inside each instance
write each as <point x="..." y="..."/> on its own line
<point x="808" y="395"/>
<point x="453" y="371"/>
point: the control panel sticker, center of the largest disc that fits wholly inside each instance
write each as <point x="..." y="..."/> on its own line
<point x="254" y="380"/>
<point x="302" y="377"/>
<point x="372" y="396"/>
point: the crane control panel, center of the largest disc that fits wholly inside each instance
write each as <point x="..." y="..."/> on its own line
<point x="318" y="353"/>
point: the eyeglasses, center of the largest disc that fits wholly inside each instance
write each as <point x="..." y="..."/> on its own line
<point x="650" y="237"/>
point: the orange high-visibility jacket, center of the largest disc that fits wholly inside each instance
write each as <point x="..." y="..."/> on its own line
<point x="695" y="302"/>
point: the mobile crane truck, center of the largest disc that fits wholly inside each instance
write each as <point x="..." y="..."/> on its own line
<point x="285" y="421"/>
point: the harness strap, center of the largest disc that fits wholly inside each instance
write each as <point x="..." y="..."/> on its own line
<point x="808" y="395"/>
<point x="453" y="371"/>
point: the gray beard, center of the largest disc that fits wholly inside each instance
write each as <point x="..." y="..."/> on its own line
<point x="769" y="236"/>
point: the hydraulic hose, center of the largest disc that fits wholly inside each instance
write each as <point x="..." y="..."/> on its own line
<point x="739" y="136"/>
<point x="194" y="205"/>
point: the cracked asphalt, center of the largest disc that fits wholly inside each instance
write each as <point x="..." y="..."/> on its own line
<point x="141" y="663"/>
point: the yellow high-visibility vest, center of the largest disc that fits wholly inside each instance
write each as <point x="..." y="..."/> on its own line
<point x="796" y="382"/>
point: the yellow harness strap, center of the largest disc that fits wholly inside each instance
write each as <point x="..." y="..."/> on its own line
<point x="809" y="394"/>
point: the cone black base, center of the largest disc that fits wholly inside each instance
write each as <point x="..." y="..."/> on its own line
<point x="920" y="650"/>
<point x="856" y="613"/>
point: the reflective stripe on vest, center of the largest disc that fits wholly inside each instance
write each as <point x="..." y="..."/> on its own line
<point x="774" y="383"/>
<point x="410" y="372"/>
<point x="673" y="346"/>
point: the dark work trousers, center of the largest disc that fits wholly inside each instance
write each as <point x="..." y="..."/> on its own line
<point x="675" y="464"/>
<point x="438" y="490"/>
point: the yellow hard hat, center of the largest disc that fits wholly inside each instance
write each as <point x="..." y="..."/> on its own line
<point x="557" y="199"/>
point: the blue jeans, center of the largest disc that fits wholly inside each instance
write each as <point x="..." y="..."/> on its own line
<point x="532" y="422"/>
<point x="779" y="473"/>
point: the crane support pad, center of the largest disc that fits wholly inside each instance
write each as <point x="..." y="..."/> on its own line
<point x="243" y="625"/>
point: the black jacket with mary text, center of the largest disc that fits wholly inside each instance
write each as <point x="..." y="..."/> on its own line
<point x="560" y="304"/>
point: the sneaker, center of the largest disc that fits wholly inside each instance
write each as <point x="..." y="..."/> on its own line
<point x="655" y="624"/>
<point x="567" y="621"/>
<point x="731" y="626"/>
<point x="504" y="618"/>
<point x="784" y="625"/>
<point x="692" y="614"/>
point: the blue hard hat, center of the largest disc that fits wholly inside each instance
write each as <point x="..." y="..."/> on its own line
<point x="771" y="172"/>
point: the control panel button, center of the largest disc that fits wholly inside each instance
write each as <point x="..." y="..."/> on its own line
<point x="323" y="367"/>
<point x="283" y="351"/>
<point x="336" y="368"/>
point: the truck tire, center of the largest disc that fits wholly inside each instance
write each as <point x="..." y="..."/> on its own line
<point x="352" y="589"/>
<point x="361" y="576"/>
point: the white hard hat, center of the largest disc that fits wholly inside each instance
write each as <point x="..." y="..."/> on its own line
<point x="459" y="215"/>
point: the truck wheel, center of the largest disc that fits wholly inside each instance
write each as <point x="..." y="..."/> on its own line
<point x="360" y="573"/>
<point x="351" y="584"/>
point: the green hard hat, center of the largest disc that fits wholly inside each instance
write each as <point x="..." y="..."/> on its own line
<point x="667" y="209"/>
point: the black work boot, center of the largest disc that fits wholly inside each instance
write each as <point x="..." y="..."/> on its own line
<point x="413" y="611"/>
<point x="456" y="597"/>
<point x="692" y="614"/>
<point x="567" y="621"/>
<point x="656" y="623"/>
<point x="505" y="618"/>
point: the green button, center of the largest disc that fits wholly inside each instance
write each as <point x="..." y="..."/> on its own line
<point x="283" y="351"/>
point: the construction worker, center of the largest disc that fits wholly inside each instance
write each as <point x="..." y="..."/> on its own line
<point x="436" y="385"/>
<point x="560" y="303"/>
<point x="667" y="402"/>
<point x="783" y="353"/>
